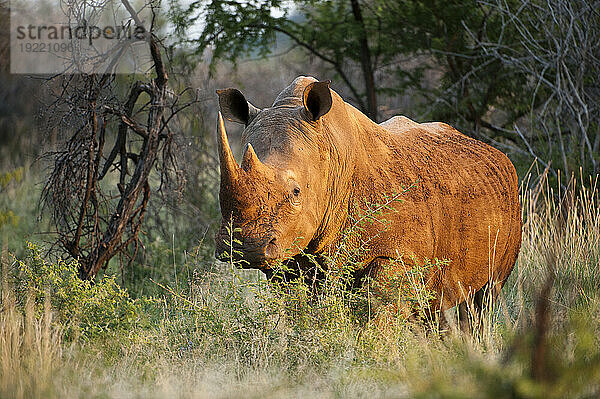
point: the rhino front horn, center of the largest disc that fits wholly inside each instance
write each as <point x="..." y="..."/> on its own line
<point x="229" y="167"/>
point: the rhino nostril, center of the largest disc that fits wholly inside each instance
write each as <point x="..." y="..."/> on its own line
<point x="271" y="250"/>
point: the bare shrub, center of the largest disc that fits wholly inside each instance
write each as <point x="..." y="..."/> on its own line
<point x="554" y="45"/>
<point x="101" y="181"/>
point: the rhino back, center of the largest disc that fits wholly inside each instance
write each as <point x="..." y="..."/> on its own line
<point x="398" y="124"/>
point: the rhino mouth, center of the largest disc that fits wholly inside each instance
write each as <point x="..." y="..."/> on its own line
<point x="249" y="255"/>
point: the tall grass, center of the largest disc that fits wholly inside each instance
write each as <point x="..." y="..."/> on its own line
<point x="30" y="349"/>
<point x="561" y="228"/>
<point x="225" y="332"/>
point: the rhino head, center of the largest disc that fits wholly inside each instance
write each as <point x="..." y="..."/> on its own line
<point x="274" y="202"/>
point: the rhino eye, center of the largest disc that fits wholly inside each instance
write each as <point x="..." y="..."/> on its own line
<point x="294" y="193"/>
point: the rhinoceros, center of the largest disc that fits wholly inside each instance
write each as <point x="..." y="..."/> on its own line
<point x="313" y="164"/>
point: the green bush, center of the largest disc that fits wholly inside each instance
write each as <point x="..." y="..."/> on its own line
<point x="85" y="308"/>
<point x="7" y="216"/>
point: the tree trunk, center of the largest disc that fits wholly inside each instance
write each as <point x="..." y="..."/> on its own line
<point x="365" y="63"/>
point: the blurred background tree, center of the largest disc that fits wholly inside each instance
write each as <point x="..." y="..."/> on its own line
<point x="425" y="47"/>
<point x="481" y="66"/>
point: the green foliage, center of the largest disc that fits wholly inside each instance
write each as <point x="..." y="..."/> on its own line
<point x="471" y="83"/>
<point x="439" y="38"/>
<point x="8" y="217"/>
<point x="7" y="177"/>
<point x="84" y="308"/>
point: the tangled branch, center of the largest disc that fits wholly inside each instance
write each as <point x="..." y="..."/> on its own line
<point x="100" y="185"/>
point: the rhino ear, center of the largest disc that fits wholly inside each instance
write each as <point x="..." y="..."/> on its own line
<point x="235" y="107"/>
<point x="317" y="99"/>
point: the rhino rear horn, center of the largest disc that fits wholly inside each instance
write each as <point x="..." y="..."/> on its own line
<point x="317" y="99"/>
<point x="228" y="165"/>
<point x="250" y="160"/>
<point x="235" y="107"/>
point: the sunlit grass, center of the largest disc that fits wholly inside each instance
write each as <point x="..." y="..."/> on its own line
<point x="225" y="332"/>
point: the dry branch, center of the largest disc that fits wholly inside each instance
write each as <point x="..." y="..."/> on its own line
<point x="93" y="226"/>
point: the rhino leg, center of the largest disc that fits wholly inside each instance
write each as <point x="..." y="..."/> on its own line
<point x="395" y="290"/>
<point x="472" y="312"/>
